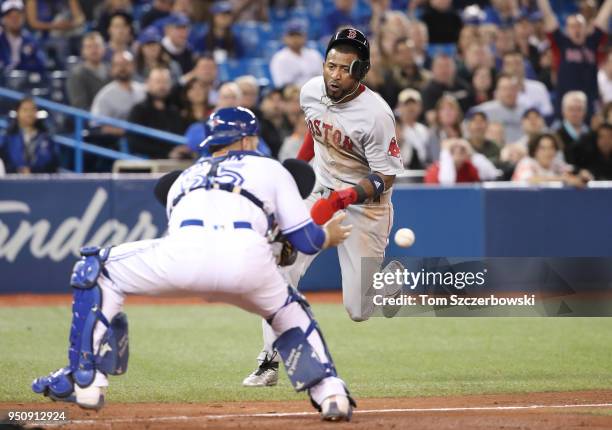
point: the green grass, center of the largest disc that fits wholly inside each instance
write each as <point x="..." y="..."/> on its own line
<point x="201" y="353"/>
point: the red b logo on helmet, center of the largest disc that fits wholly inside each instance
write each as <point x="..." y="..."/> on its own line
<point x="351" y="34"/>
<point x="394" y="149"/>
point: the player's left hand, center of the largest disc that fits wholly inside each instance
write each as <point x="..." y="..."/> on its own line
<point x="324" y="209"/>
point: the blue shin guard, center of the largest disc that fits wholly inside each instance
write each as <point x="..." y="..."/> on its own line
<point x="86" y="312"/>
<point x="303" y="364"/>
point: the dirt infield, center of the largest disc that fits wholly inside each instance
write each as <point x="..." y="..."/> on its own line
<point x="14" y="300"/>
<point x="570" y="410"/>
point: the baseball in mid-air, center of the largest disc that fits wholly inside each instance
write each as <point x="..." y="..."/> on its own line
<point x="404" y="237"/>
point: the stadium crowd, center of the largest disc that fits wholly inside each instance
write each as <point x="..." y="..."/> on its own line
<point x="482" y="90"/>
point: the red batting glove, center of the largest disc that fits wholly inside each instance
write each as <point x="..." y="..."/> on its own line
<point x="324" y="209"/>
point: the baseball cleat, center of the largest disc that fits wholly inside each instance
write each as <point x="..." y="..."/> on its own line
<point x="336" y="408"/>
<point x="90" y="397"/>
<point x="394" y="290"/>
<point x="266" y="375"/>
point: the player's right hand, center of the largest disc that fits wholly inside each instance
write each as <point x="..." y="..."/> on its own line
<point x="335" y="232"/>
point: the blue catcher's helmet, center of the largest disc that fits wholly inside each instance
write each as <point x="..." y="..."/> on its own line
<point x="228" y="125"/>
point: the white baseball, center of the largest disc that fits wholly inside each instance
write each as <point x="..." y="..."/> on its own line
<point x="404" y="237"/>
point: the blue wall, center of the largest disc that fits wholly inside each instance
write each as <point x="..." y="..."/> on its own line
<point x="44" y="222"/>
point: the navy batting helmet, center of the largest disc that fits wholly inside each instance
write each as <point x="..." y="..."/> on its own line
<point x="357" y="39"/>
<point x="228" y="125"/>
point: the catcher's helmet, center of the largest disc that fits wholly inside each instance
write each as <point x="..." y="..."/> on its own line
<point x="356" y="38"/>
<point x="228" y="125"/>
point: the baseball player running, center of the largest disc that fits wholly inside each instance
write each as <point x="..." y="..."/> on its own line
<point x="356" y="158"/>
<point x="221" y="212"/>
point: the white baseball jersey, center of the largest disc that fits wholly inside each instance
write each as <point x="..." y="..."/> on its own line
<point x="263" y="177"/>
<point x="353" y="138"/>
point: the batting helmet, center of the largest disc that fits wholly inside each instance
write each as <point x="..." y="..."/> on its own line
<point x="357" y="39"/>
<point x="228" y="125"/>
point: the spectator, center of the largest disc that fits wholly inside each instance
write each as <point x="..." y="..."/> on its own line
<point x="575" y="53"/>
<point x="18" y="49"/>
<point x="495" y="133"/>
<point x="454" y="165"/>
<point x="159" y="9"/>
<point x="482" y="86"/>
<point x="249" y="88"/>
<point x="404" y="73"/>
<point x="204" y="70"/>
<point x="445" y="81"/>
<point x="446" y="125"/>
<point x="293" y="142"/>
<point x="543" y="164"/>
<point x="476" y="126"/>
<point x="26" y="147"/>
<point x="116" y="99"/>
<point x="531" y="93"/>
<point x="175" y="41"/>
<point x="604" y="79"/>
<point x="476" y="55"/>
<point x="150" y="55"/>
<point x="59" y="17"/>
<point x="595" y="155"/>
<point x="291" y="104"/>
<point x="250" y="10"/>
<point x="220" y="42"/>
<point x="393" y="27"/>
<point x="195" y="103"/>
<point x="120" y="34"/>
<point x="106" y="10"/>
<point x="155" y="112"/>
<point x="419" y="35"/>
<point x="272" y="109"/>
<point x="526" y="42"/>
<point x="443" y="22"/>
<point x="341" y="16"/>
<point x="533" y="124"/>
<point x="505" y="108"/>
<point x="229" y="96"/>
<point x="504" y="43"/>
<point x="501" y="12"/>
<point x="470" y="35"/>
<point x="295" y="63"/>
<point x="413" y="134"/>
<point x="86" y="79"/>
<point x="572" y="126"/>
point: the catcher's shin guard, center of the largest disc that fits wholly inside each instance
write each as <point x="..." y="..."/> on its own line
<point x="303" y="350"/>
<point x="113" y="353"/>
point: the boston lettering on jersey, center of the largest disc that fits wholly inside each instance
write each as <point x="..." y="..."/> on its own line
<point x="330" y="134"/>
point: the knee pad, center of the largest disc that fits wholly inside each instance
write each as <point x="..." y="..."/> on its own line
<point x="86" y="312"/>
<point x="304" y="364"/>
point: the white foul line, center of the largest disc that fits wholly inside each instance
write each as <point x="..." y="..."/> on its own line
<point x="299" y="414"/>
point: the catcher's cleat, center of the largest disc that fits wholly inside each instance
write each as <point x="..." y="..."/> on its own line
<point x="266" y="375"/>
<point x="91" y="397"/>
<point x="59" y="386"/>
<point x="336" y="408"/>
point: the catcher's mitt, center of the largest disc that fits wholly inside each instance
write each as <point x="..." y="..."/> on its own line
<point x="285" y="252"/>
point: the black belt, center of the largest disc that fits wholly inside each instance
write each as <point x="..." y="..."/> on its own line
<point x="200" y="223"/>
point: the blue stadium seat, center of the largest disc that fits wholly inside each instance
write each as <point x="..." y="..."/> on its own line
<point x="253" y="36"/>
<point x="271" y="47"/>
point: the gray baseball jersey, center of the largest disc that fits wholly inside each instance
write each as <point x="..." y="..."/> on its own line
<point x="352" y="138"/>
